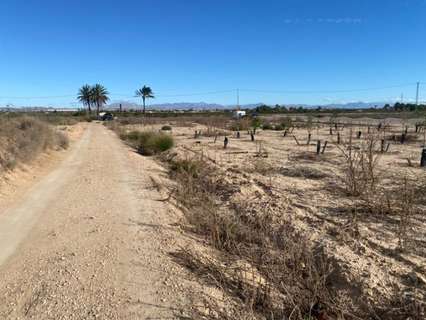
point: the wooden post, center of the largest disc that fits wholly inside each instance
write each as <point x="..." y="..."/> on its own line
<point x="252" y="136"/>
<point x="318" y="146"/>
<point x="297" y="141"/>
<point x="325" y="146"/>
<point x="402" y="138"/>
<point x="382" y="146"/>
<point x="338" y="137"/>
<point x="238" y="134"/>
<point x="359" y="134"/>
<point x="309" y="139"/>
<point x="331" y="131"/>
<point x="423" y="159"/>
<point x="225" y="142"/>
<point x="285" y="133"/>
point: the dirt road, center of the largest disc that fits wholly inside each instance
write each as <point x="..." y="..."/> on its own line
<point x="90" y="239"/>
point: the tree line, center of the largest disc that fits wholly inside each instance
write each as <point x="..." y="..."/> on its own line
<point x="397" y="107"/>
<point x="97" y="95"/>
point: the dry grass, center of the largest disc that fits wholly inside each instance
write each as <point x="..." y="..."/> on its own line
<point x="269" y="267"/>
<point x="24" y="138"/>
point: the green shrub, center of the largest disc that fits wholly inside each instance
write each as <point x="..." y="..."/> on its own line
<point x="148" y="143"/>
<point x="166" y="128"/>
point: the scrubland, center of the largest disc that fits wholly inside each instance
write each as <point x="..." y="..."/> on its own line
<point x="295" y="218"/>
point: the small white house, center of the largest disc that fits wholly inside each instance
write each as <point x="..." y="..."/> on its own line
<point x="238" y="114"/>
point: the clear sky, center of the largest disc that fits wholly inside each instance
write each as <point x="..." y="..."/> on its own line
<point x="308" y="50"/>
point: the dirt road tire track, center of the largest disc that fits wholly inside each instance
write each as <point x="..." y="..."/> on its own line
<point x="89" y="241"/>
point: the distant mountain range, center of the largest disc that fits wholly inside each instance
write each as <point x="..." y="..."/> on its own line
<point x="214" y="106"/>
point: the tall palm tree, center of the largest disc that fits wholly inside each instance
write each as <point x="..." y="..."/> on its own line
<point x="145" y="93"/>
<point x="85" y="96"/>
<point x="99" y="96"/>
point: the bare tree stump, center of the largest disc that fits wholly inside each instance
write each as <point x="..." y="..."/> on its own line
<point x="423" y="158"/>
<point x="225" y="143"/>
<point x="318" y="146"/>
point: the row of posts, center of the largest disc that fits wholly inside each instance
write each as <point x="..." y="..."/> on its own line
<point x="319" y="150"/>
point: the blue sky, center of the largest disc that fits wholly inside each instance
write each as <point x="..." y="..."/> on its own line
<point x="306" y="51"/>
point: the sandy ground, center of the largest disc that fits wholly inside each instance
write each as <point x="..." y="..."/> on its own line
<point x="266" y="172"/>
<point x="89" y="238"/>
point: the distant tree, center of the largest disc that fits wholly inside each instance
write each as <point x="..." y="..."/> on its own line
<point x="145" y="93"/>
<point x="85" y="96"/>
<point x="99" y="96"/>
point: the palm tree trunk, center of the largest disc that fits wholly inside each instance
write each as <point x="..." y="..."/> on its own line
<point x="143" y="98"/>
<point x="89" y="108"/>
<point x="97" y="108"/>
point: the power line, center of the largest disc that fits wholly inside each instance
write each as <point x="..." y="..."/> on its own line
<point x="326" y="91"/>
<point x="228" y="91"/>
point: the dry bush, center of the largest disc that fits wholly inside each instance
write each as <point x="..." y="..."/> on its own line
<point x="403" y="202"/>
<point x="24" y="138"/>
<point x="260" y="165"/>
<point x="360" y="174"/>
<point x="243" y="124"/>
<point x="306" y="172"/>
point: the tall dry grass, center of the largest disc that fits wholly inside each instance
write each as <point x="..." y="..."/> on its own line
<point x="23" y="138"/>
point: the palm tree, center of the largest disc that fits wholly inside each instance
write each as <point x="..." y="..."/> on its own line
<point x="99" y="96"/>
<point x="85" y="96"/>
<point x="145" y="93"/>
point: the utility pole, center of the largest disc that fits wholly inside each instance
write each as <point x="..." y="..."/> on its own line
<point x="402" y="98"/>
<point x="417" y="93"/>
<point x="238" y="99"/>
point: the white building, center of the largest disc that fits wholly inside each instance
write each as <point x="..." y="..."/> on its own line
<point x="239" y="114"/>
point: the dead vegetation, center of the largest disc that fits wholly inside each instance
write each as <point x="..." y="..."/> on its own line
<point x="336" y="241"/>
<point x="23" y="138"/>
<point x="267" y="268"/>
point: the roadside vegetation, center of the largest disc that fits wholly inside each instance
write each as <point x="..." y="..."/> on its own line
<point x="23" y="138"/>
<point x="146" y="142"/>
